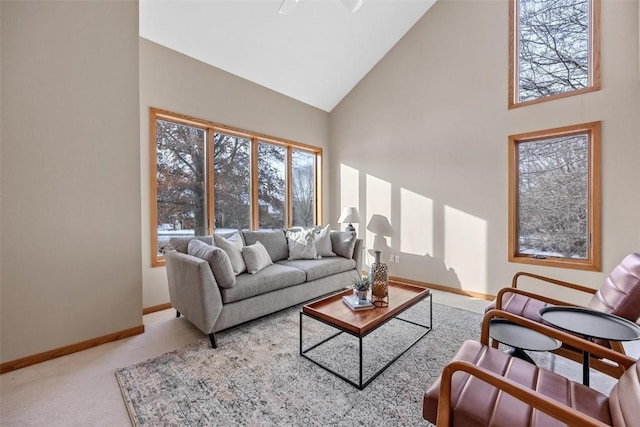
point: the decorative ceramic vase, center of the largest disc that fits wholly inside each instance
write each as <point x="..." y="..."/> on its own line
<point x="361" y="295"/>
<point x="379" y="279"/>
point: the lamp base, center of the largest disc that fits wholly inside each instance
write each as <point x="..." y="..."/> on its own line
<point x="350" y="227"/>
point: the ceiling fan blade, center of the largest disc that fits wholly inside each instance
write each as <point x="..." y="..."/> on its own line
<point x="352" y="5"/>
<point x="287" y="7"/>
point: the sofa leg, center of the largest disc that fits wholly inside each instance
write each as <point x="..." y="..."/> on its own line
<point x="177" y="313"/>
<point x="212" y="338"/>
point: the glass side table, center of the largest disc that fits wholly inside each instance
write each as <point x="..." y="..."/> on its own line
<point x="520" y="338"/>
<point x="590" y="324"/>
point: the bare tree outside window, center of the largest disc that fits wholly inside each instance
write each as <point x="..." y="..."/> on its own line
<point x="555" y="48"/>
<point x="232" y="181"/>
<point x="555" y="196"/>
<point x="552" y="197"/>
<point x="303" y="188"/>
<point x="180" y="183"/>
<point x="272" y="207"/>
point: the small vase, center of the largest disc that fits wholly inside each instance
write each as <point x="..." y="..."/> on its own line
<point x="379" y="279"/>
<point x="361" y="295"/>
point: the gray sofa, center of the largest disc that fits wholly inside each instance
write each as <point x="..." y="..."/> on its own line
<point x="208" y="294"/>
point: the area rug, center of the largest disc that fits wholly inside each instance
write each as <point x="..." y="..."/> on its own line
<point x="257" y="377"/>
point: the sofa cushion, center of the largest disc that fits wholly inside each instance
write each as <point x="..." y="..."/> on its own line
<point x="218" y="261"/>
<point x="256" y="257"/>
<point x="268" y="279"/>
<point x="181" y="244"/>
<point x="274" y="240"/>
<point x="323" y="242"/>
<point x="302" y="244"/>
<point x="343" y="243"/>
<point x="319" y="268"/>
<point x="233" y="247"/>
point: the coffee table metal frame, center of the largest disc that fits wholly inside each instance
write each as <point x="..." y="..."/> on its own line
<point x="360" y="385"/>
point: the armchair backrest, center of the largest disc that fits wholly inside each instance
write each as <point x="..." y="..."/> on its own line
<point x="624" y="399"/>
<point x="620" y="293"/>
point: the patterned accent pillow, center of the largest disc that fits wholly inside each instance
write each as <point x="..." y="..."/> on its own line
<point x="302" y="244"/>
<point x="233" y="247"/>
<point x="218" y="261"/>
<point x="256" y="257"/>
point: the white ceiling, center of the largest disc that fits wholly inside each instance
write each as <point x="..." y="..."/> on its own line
<point x="315" y="55"/>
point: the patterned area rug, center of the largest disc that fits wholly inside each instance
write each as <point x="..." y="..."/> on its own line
<point x="257" y="377"/>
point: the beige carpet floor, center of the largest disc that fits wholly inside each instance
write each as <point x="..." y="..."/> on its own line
<point x="81" y="389"/>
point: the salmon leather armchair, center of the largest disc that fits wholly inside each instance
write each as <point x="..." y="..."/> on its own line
<point x="618" y="295"/>
<point x="484" y="386"/>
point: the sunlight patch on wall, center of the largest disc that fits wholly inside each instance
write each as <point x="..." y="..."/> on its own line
<point x="416" y="222"/>
<point x="465" y="248"/>
<point x="378" y="201"/>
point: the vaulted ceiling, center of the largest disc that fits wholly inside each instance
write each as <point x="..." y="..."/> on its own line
<point x="316" y="54"/>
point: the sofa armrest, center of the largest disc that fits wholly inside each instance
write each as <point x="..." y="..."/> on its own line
<point x="193" y="290"/>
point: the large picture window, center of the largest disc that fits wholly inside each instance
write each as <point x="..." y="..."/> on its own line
<point x="207" y="177"/>
<point x="553" y="49"/>
<point x="554" y="197"/>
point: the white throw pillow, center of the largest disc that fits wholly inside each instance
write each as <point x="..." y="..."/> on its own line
<point x="233" y="247"/>
<point x="256" y="257"/>
<point x="302" y="244"/>
<point x="323" y="242"/>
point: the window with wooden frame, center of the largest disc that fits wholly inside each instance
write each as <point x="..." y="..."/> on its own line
<point x="207" y="177"/>
<point x="554" y="197"/>
<point x="554" y="49"/>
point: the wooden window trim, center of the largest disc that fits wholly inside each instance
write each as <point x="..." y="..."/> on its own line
<point x="210" y="128"/>
<point x="289" y="189"/>
<point x="593" y="261"/>
<point x="594" y="58"/>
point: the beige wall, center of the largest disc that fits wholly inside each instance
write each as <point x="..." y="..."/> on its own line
<point x="423" y="139"/>
<point x="175" y="82"/>
<point x="71" y="268"/>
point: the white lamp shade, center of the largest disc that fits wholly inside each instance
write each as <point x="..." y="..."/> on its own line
<point x="379" y="224"/>
<point x="349" y="215"/>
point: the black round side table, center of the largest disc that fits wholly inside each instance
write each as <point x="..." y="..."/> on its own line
<point x="520" y="338"/>
<point x="590" y="324"/>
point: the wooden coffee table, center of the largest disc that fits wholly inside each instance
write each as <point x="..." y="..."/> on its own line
<point x="333" y="312"/>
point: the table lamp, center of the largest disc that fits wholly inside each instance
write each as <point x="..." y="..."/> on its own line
<point x="349" y="215"/>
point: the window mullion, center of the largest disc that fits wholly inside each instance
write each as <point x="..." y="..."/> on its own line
<point x="210" y="181"/>
<point x="254" y="184"/>
<point x="289" y="185"/>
